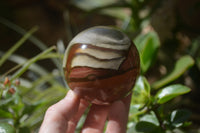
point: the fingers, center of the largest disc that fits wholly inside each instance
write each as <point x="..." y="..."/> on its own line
<point x="95" y="120"/>
<point x="73" y="122"/>
<point x="127" y="101"/>
<point x="118" y="116"/>
<point x="57" y="115"/>
<point x="63" y="116"/>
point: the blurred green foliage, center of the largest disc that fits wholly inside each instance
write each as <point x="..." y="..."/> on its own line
<point x="24" y="101"/>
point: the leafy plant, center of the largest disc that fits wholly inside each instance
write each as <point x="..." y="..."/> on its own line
<point x="23" y="101"/>
<point x="148" y="113"/>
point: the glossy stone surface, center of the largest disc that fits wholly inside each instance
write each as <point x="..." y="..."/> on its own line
<point x="101" y="64"/>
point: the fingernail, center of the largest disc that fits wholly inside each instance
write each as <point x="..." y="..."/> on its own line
<point x="70" y="95"/>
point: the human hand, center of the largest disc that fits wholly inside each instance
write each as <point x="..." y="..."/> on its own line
<point x="63" y="116"/>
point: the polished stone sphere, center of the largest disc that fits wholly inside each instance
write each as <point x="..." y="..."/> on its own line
<point x="101" y="64"/>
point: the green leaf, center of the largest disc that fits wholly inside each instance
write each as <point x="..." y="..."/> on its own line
<point x="22" y="31"/>
<point x="140" y="98"/>
<point x="131" y="128"/>
<point x="30" y="62"/>
<point x="6" y="101"/>
<point x="141" y="91"/>
<point x="20" y="60"/>
<point x="143" y="85"/>
<point x="178" y="117"/>
<point x="18" y="106"/>
<point x="17" y="45"/>
<point x="24" y="130"/>
<point x="182" y="65"/>
<point x="151" y="118"/>
<point x="31" y="108"/>
<point x="170" y="92"/>
<point x="5" y="114"/>
<point x="147" y="45"/>
<point x="32" y="38"/>
<point x="6" y="128"/>
<point x="148" y="123"/>
<point x="144" y="126"/>
<point x="198" y="62"/>
<point x="136" y="111"/>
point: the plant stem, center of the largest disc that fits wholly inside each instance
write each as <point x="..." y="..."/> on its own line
<point x="155" y="108"/>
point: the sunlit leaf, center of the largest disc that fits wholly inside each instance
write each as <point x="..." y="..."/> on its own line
<point x="135" y="111"/>
<point x="170" y="92"/>
<point x="6" y="128"/>
<point x="147" y="45"/>
<point x="140" y="98"/>
<point x="141" y="91"/>
<point x="151" y="118"/>
<point x="182" y="65"/>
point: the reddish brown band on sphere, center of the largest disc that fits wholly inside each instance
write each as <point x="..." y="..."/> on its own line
<point x="101" y="64"/>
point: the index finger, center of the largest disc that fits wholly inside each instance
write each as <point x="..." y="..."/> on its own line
<point x="58" y="115"/>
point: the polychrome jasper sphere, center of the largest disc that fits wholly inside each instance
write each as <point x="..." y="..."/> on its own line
<point x="101" y="64"/>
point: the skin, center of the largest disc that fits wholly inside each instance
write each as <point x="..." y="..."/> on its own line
<point x="63" y="116"/>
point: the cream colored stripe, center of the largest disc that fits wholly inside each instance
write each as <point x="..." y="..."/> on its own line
<point x="102" y="41"/>
<point x="84" y="60"/>
<point x="100" y="54"/>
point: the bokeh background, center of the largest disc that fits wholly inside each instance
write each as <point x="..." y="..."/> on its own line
<point x="176" y="22"/>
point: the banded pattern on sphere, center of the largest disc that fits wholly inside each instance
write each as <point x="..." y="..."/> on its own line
<point x="101" y="64"/>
